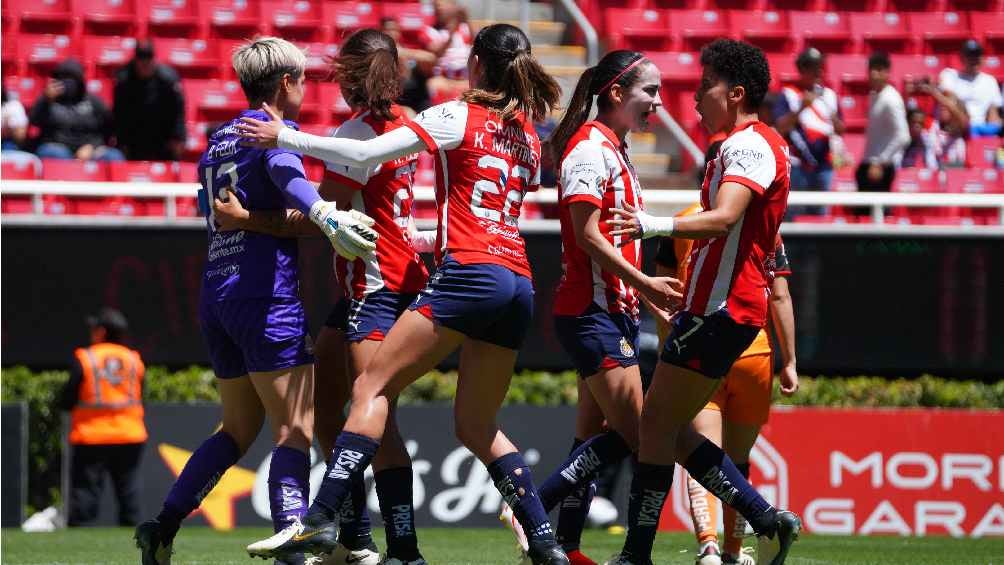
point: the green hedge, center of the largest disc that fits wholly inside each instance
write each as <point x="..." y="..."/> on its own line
<point x="196" y="384"/>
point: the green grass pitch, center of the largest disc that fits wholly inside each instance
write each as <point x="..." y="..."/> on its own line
<point x="448" y="546"/>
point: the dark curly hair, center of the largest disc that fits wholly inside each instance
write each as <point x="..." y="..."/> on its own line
<point x="739" y="64"/>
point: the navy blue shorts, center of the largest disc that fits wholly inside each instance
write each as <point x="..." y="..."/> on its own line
<point x="708" y="344"/>
<point x="597" y="340"/>
<point x="370" y="317"/>
<point x="482" y="301"/>
<point x="255" y="335"/>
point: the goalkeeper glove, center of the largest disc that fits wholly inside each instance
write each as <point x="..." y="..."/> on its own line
<point x="349" y="231"/>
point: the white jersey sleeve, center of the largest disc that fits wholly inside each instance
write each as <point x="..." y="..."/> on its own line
<point x="353" y="129"/>
<point x="442" y="127"/>
<point x="747" y="158"/>
<point x="584" y="172"/>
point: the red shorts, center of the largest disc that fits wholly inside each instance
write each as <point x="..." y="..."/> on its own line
<point x="744" y="395"/>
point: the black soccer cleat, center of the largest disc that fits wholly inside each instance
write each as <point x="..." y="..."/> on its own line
<point x="547" y="553"/>
<point x="150" y="540"/>
<point x="773" y="550"/>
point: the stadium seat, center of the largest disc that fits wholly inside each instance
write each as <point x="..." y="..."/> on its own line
<point x="939" y="32"/>
<point x="9" y="56"/>
<point x="913" y="180"/>
<point x="347" y="17"/>
<point x="974" y="181"/>
<point x="988" y="27"/>
<point x="767" y="29"/>
<point x="694" y="28"/>
<point x="173" y="18"/>
<point x="143" y="171"/>
<point x="411" y="17"/>
<point x="678" y="68"/>
<point x="108" y="206"/>
<point x="829" y="32"/>
<point x="16" y="203"/>
<point x="42" y="52"/>
<point x="195" y="140"/>
<point x="881" y="31"/>
<point x="187" y="171"/>
<point x="16" y="169"/>
<point x="982" y="151"/>
<point x="49" y="16"/>
<point x="192" y="58"/>
<point x="25" y="89"/>
<point x="331" y="100"/>
<point x="914" y="67"/>
<point x="186" y="207"/>
<point x="213" y="101"/>
<point x="843" y="179"/>
<point x="638" y="29"/>
<point x="73" y="170"/>
<point x="782" y="69"/>
<point x="296" y="19"/>
<point x="235" y="19"/>
<point x="992" y="65"/>
<point x="854" y="110"/>
<point x="103" y="88"/>
<point x="318" y="54"/>
<point x="108" y="54"/>
<point x="854" y="143"/>
<point x="107" y="17"/>
<point x="681" y="105"/>
<point x="847" y="71"/>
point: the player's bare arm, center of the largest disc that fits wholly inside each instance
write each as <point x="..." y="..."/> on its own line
<point x="231" y="215"/>
<point x="732" y="200"/>
<point x="783" y="318"/>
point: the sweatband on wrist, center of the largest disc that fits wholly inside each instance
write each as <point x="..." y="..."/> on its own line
<point x="655" y="226"/>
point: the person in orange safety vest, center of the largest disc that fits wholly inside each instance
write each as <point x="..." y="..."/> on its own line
<point x="105" y="398"/>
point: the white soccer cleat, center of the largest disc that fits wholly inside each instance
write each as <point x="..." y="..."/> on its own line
<point x="602" y="512"/>
<point x="266" y="547"/>
<point x="509" y="519"/>
<point x="345" y="556"/>
<point x="745" y="557"/>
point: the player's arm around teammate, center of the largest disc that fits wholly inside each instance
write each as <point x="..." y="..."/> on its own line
<point x="481" y="296"/>
<point x="743" y="196"/>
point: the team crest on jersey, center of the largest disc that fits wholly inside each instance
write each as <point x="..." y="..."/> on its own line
<point x="626" y="349"/>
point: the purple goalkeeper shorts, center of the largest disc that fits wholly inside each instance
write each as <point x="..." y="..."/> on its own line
<point x="255" y="335"/>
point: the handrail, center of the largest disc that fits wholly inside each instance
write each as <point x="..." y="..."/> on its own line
<point x="681" y="135"/>
<point x="592" y="39"/>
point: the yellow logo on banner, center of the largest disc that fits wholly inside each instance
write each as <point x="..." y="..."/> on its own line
<point x="218" y="506"/>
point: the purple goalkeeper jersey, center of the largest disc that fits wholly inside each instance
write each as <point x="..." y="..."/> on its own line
<point x="243" y="264"/>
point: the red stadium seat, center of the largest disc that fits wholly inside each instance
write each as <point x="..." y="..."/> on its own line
<point x="49" y="16"/>
<point x="916" y="180"/>
<point x="108" y="54"/>
<point x="854" y="110"/>
<point x="855" y="145"/>
<point x="109" y="206"/>
<point x="638" y="29"/>
<point x="332" y="101"/>
<point x="767" y="29"/>
<point x="232" y="18"/>
<point x="678" y="68"/>
<point x="17" y="169"/>
<point x="195" y="142"/>
<point x="696" y="27"/>
<point x="847" y="71"/>
<point x="347" y="17"/>
<point x="411" y="17"/>
<point x="681" y="105"/>
<point x="975" y="181"/>
<point x="939" y="32"/>
<point x="843" y="180"/>
<point x="213" y="100"/>
<point x="192" y="58"/>
<point x="992" y="65"/>
<point x="187" y="207"/>
<point x="829" y="32"/>
<point x="173" y="18"/>
<point x="143" y="171"/>
<point x="16" y="203"/>
<point x="42" y="52"/>
<point x="10" y="56"/>
<point x="71" y="169"/>
<point x="914" y="67"/>
<point x="885" y="31"/>
<point x="782" y="69"/>
<point x="103" y="89"/>
<point x="107" y="17"/>
<point x="187" y="172"/>
<point x="982" y="151"/>
<point x="988" y="27"/>
<point x="318" y="54"/>
<point x="297" y="19"/>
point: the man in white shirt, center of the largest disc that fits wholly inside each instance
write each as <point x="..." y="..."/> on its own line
<point x="978" y="91"/>
<point x="887" y="133"/>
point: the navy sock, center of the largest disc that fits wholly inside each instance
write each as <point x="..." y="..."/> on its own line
<point x="581" y="466"/>
<point x="649" y="487"/>
<point x="288" y="488"/>
<point x="394" y="489"/>
<point x="201" y="473"/>
<point x="512" y="479"/>
<point x="709" y="466"/>
<point x="351" y="455"/>
<point x="573" y="511"/>
<point x="354" y="528"/>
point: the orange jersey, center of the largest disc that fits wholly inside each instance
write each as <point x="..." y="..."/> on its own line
<point x="680" y="257"/>
<point x="484" y="169"/>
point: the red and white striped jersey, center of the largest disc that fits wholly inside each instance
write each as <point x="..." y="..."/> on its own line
<point x="383" y="192"/>
<point x="731" y="271"/>
<point x="595" y="169"/>
<point x="484" y="168"/>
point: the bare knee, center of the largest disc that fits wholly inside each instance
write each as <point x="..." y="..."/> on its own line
<point x="475" y="435"/>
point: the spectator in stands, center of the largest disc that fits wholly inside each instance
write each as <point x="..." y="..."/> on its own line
<point x="105" y="398"/>
<point x="15" y="132"/>
<point x="149" y="108"/>
<point x="978" y="91"/>
<point x="939" y="142"/>
<point x="887" y="133"/>
<point x="73" y="122"/>
<point x="416" y="68"/>
<point x="807" y="115"/>
<point x="449" y="39"/>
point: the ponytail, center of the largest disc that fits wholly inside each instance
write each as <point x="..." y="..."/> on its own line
<point x="616" y="67"/>
<point x="513" y="79"/>
<point x="367" y="70"/>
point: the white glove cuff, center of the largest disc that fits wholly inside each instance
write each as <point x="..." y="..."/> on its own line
<point x="655" y="226"/>
<point x="424" y="241"/>
<point x="319" y="211"/>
